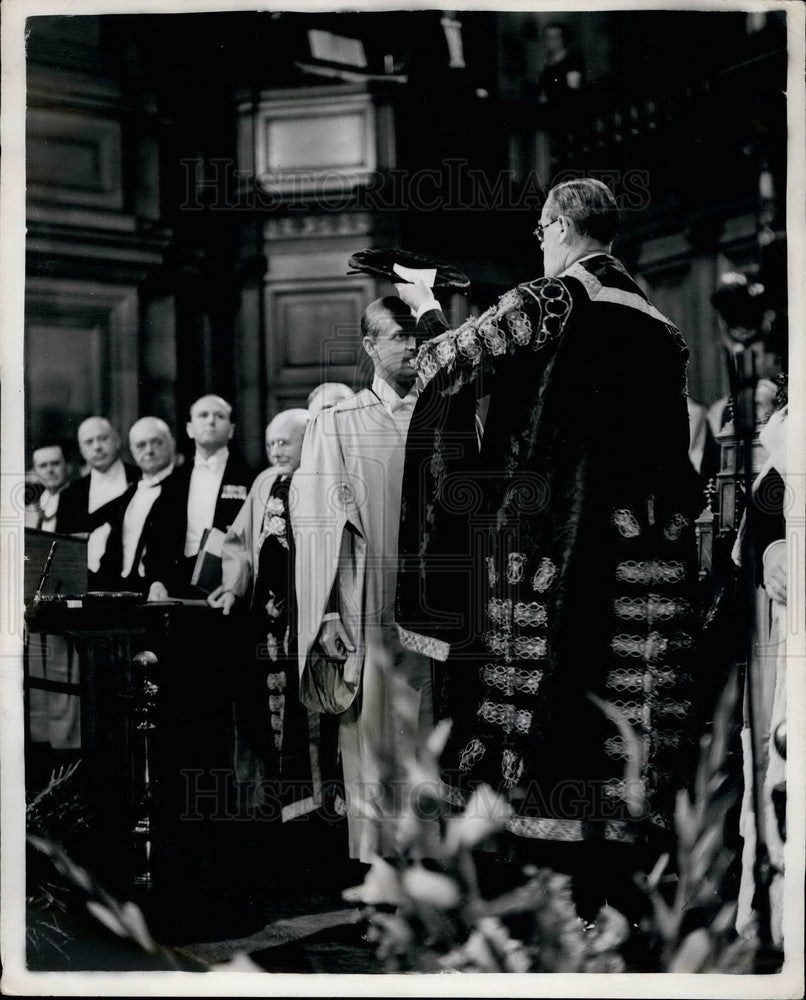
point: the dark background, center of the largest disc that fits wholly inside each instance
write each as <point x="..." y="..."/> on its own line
<point x="155" y="273"/>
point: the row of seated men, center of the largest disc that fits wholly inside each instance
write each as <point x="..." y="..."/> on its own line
<point x="145" y="523"/>
<point x="105" y="477"/>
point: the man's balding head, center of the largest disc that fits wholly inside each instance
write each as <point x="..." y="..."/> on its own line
<point x="284" y="439"/>
<point x="98" y="442"/>
<point x="151" y="444"/>
<point x="326" y="395"/>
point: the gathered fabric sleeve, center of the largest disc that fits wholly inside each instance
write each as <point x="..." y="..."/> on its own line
<point x="443" y="472"/>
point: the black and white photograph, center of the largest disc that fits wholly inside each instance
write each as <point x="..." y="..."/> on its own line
<point x="403" y="498"/>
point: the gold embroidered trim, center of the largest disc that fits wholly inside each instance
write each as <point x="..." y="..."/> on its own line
<point x="471" y="754"/>
<point x="652" y="608"/>
<point x="426" y="645"/>
<point x="515" y="564"/>
<point x="499" y="610"/>
<point x="507" y="716"/>
<point x="529" y="648"/>
<point x="651" y="647"/>
<point x="511" y="679"/>
<point x="627" y="523"/>
<point x="544" y="828"/>
<point x="530" y="614"/>
<point x="496" y="642"/>
<point x="487" y="333"/>
<point x="596" y="290"/>
<point x="650" y="571"/>
<point x="634" y="678"/>
<point x="545" y="576"/>
<point x="511" y="767"/>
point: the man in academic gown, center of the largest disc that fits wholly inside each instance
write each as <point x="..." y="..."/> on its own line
<point x="345" y="516"/>
<point x="558" y="560"/>
<point x="277" y="743"/>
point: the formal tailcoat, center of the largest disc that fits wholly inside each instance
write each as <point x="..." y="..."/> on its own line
<point x="159" y="546"/>
<point x="74" y="501"/>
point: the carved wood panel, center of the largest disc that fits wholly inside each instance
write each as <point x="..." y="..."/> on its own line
<point x="313" y="335"/>
<point x="74" y="159"/>
<point x="81" y="356"/>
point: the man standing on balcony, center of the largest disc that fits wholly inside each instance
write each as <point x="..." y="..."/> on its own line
<point x="563" y="70"/>
<point x="558" y="560"/>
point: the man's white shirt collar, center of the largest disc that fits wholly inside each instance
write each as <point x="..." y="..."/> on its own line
<point x="148" y="481"/>
<point x="393" y="403"/>
<point x="106" y="486"/>
<point x="113" y="473"/>
<point x="215" y="462"/>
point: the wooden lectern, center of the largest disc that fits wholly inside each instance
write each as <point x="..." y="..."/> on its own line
<point x="156" y="722"/>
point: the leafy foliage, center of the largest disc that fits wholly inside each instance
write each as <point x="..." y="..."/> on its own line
<point x="425" y="913"/>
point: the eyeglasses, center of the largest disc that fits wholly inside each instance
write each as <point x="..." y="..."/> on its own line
<point x="541" y="229"/>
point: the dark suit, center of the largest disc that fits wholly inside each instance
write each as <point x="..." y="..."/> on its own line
<point x="73" y="513"/>
<point x="232" y="493"/>
<point x="159" y="547"/>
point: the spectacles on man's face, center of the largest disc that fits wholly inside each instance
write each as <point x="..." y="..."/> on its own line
<point x="541" y="229"/>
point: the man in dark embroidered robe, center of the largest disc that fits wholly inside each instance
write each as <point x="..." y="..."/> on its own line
<point x="557" y="557"/>
<point x="282" y="751"/>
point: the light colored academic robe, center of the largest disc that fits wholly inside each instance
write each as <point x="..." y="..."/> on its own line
<point x="345" y="515"/>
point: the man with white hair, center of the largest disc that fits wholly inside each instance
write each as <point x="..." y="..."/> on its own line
<point x="245" y="537"/>
<point x="271" y="727"/>
<point x="109" y="478"/>
<point x="142" y="549"/>
<point x="557" y="563"/>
